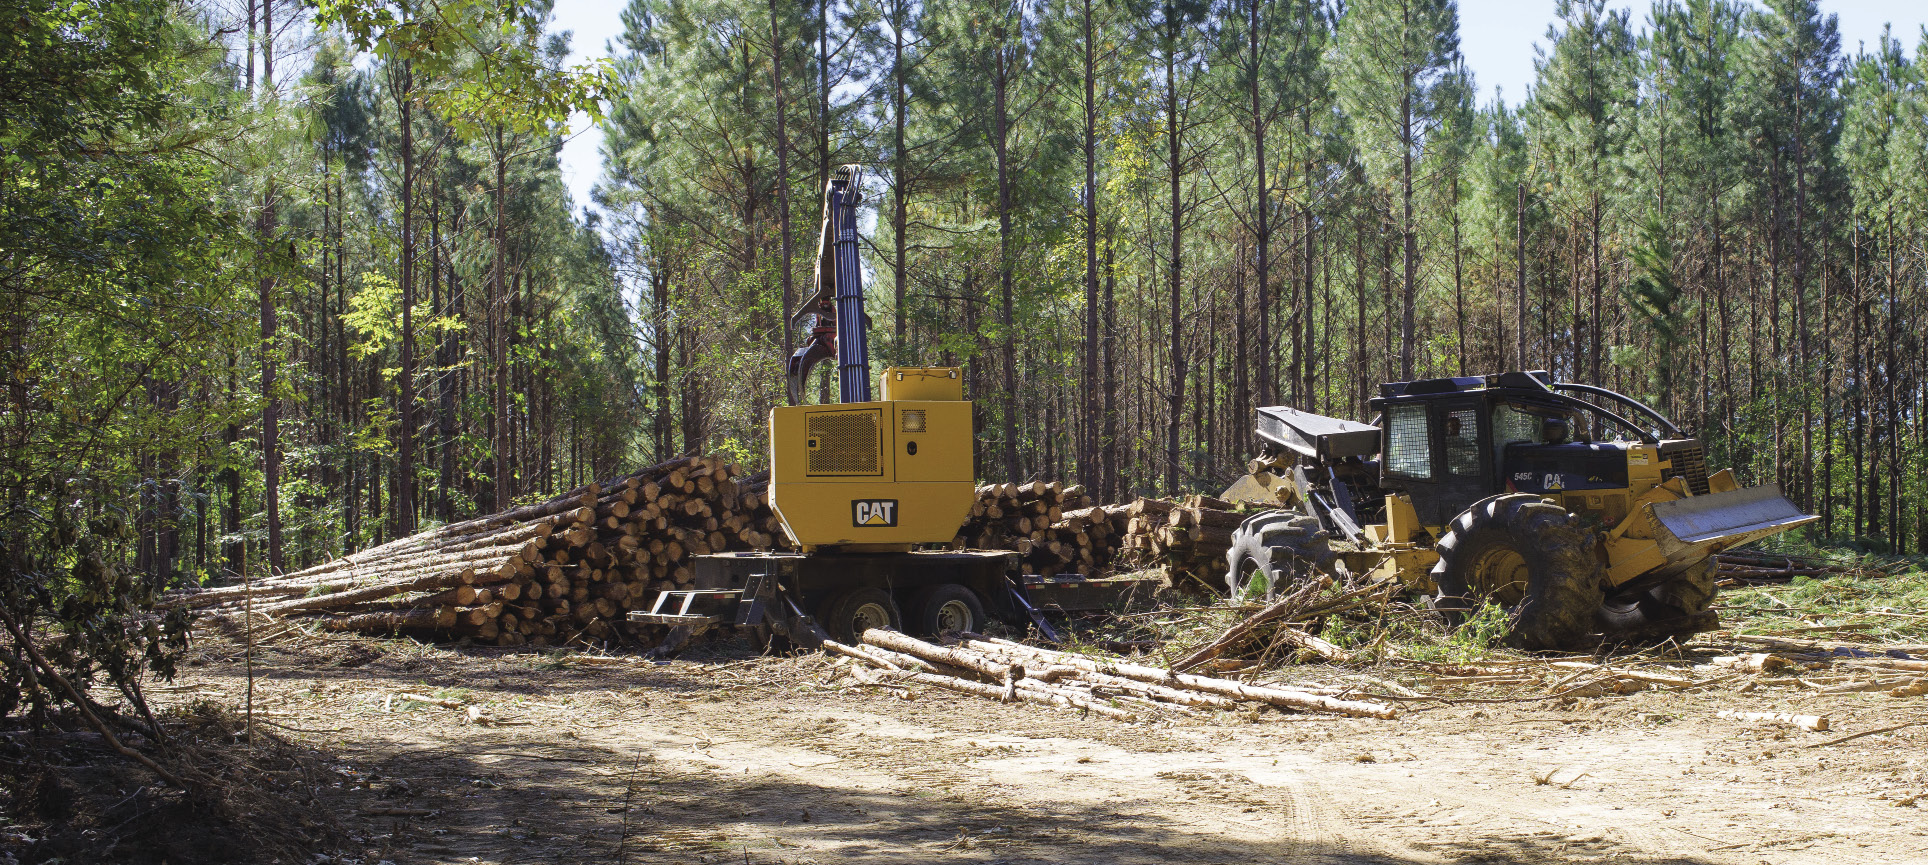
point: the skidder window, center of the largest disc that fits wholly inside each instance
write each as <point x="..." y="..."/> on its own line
<point x="1462" y="443"/>
<point x="1409" y="449"/>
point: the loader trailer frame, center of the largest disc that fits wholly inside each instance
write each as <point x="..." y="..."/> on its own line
<point x="806" y="598"/>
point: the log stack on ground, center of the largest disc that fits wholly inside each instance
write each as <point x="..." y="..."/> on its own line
<point x="1056" y="529"/>
<point x="1114" y="688"/>
<point x="560" y="571"/>
<point x="1190" y="537"/>
<point x="1059" y="531"/>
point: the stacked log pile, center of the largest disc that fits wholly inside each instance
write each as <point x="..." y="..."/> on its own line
<point x="565" y="570"/>
<point x="1056" y="530"/>
<point x="1115" y="688"/>
<point x="1191" y="537"/>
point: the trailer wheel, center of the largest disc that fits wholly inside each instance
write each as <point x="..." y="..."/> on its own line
<point x="848" y="615"/>
<point x="1676" y="607"/>
<point x="1531" y="558"/>
<point x="1275" y="549"/>
<point x="947" y="607"/>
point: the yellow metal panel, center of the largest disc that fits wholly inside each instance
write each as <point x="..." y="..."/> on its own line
<point x="1629" y="557"/>
<point x="1402" y="520"/>
<point x="919" y="487"/>
<point x="942" y="449"/>
<point x="843" y="512"/>
<point x="1644" y="466"/>
<point x="922" y="383"/>
<point x="1631" y="546"/>
<point x="832" y="443"/>
<point x="1722" y="482"/>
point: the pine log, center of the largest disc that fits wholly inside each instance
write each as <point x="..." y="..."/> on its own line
<point x="1222" y="687"/>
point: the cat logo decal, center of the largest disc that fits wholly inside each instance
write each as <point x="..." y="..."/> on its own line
<point x="873" y="513"/>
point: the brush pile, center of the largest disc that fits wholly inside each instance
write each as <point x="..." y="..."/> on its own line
<point x="1115" y="688"/>
<point x="565" y="570"/>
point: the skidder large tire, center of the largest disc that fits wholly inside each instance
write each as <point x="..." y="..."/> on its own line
<point x="1275" y="549"/>
<point x="1677" y="607"/>
<point x="1532" y="558"/>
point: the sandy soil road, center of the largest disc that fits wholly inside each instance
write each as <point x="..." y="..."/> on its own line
<point x="731" y="758"/>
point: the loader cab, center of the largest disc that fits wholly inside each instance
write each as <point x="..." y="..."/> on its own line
<point x="1450" y="442"/>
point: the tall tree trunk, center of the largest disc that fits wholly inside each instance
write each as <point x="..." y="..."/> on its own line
<point x="1828" y="386"/>
<point x="271" y="407"/>
<point x="900" y="176"/>
<point x="823" y="96"/>
<point x="659" y="388"/>
<point x="498" y="425"/>
<point x="783" y="184"/>
<point x="1803" y="374"/>
<point x="444" y="304"/>
<point x="1459" y="273"/>
<point x="1175" y="263"/>
<point x="1112" y="481"/>
<point x="1008" y="308"/>
<point x="404" y="508"/>
<point x="1408" y="298"/>
<point x="1262" y="218"/>
<point x="1595" y="331"/>
<point x="1519" y="312"/>
<point x="1304" y="363"/>
<point x="1088" y="460"/>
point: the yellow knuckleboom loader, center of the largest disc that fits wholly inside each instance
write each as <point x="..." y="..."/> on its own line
<point x="864" y="488"/>
<point x="1577" y="510"/>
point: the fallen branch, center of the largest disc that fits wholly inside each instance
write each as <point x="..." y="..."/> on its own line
<point x="1888" y="729"/>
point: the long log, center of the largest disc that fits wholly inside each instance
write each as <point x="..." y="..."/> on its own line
<point x="1000" y="693"/>
<point x="368" y="593"/>
<point x="916" y="648"/>
<point x="477" y="562"/>
<point x="1207" y="684"/>
<point x="586" y="495"/>
<point x="397" y="621"/>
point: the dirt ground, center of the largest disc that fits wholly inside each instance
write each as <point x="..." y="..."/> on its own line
<point x="483" y="756"/>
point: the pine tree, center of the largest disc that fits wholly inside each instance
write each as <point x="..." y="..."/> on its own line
<point x="1390" y="60"/>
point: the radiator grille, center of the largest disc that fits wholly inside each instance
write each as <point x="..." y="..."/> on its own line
<point x="844" y="443"/>
<point x="1690" y="463"/>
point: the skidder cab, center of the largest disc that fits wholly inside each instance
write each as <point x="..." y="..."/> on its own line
<point x="1576" y="509"/>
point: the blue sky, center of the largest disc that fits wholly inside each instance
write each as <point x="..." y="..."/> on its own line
<point x="1497" y="38"/>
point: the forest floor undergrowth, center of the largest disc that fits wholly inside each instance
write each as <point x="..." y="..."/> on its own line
<point x="401" y="752"/>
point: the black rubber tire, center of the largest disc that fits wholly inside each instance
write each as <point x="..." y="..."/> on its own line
<point x="1672" y="608"/>
<point x="1563" y="572"/>
<point x="1284" y="546"/>
<point x="848" y="615"/>
<point x="947" y="607"/>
